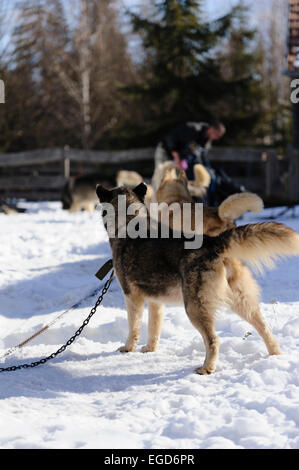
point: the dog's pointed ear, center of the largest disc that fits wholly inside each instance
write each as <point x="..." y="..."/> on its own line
<point x="103" y="193"/>
<point x="140" y="191"/>
<point x="169" y="175"/>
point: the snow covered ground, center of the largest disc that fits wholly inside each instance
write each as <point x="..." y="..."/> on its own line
<point x="92" y="396"/>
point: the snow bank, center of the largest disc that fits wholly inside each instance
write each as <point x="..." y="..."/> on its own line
<point x="91" y="396"/>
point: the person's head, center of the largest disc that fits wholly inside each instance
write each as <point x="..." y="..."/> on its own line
<point x="216" y="131"/>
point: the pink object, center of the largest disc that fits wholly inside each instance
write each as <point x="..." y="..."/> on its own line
<point x="184" y="164"/>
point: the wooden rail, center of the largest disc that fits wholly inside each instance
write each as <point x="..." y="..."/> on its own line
<point x="40" y="157"/>
<point x="41" y="174"/>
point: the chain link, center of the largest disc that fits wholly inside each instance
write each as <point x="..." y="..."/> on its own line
<point x="71" y="340"/>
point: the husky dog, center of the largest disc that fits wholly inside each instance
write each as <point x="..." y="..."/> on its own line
<point x="10" y="209"/>
<point x="197" y="188"/>
<point x="174" y="189"/>
<point x="160" y="270"/>
<point x="80" y="193"/>
<point x="128" y="178"/>
<point x="131" y="179"/>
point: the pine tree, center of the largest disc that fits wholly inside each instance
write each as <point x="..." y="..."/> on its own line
<point x="182" y="77"/>
<point x="241" y="58"/>
<point x="197" y="70"/>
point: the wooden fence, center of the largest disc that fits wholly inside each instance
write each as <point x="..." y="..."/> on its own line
<point x="41" y="174"/>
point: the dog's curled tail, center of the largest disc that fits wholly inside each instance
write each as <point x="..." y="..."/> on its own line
<point x="260" y="245"/>
<point x="236" y="204"/>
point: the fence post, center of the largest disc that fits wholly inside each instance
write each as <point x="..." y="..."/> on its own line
<point x="66" y="165"/>
<point x="2" y="92"/>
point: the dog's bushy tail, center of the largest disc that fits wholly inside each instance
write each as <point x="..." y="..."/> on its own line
<point x="260" y="245"/>
<point x="236" y="204"/>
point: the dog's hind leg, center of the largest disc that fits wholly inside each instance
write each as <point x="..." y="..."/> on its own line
<point x="202" y="319"/>
<point x="245" y="302"/>
<point x="202" y="295"/>
<point x="135" y="305"/>
<point x="155" y="320"/>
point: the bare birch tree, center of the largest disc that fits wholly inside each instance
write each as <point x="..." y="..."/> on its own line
<point x="97" y="62"/>
<point x="72" y="58"/>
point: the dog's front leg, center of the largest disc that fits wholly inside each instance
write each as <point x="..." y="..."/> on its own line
<point x="155" y="320"/>
<point x="135" y="305"/>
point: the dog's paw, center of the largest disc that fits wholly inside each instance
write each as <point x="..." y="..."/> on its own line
<point x="147" y="348"/>
<point x="204" y="370"/>
<point x="275" y="351"/>
<point x="125" y="349"/>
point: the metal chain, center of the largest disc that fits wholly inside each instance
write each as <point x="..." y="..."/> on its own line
<point x="71" y="340"/>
